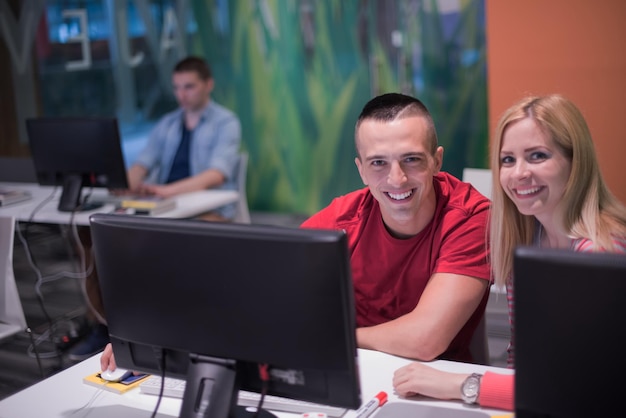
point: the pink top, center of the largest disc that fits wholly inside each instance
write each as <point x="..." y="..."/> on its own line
<point x="497" y="391"/>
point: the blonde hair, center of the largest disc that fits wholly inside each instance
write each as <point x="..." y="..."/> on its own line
<point x="589" y="209"/>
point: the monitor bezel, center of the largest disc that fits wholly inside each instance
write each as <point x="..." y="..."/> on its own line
<point x="331" y="378"/>
<point x="76" y="153"/>
<point x="567" y="311"/>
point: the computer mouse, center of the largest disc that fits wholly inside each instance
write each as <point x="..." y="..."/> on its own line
<point x="115" y="375"/>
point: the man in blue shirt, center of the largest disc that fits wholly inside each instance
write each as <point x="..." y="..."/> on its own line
<point x="195" y="147"/>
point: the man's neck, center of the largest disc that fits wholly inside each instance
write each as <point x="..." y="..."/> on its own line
<point x="192" y="117"/>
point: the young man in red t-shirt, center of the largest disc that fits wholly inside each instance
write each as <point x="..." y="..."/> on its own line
<point x="416" y="236"/>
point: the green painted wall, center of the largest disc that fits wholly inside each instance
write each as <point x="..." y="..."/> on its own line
<point x="298" y="72"/>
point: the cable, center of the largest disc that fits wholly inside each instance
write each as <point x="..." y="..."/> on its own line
<point x="49" y="334"/>
<point x="264" y="374"/>
<point x="29" y="256"/>
<point x="53" y="325"/>
<point x="87" y="271"/>
<point x="51" y="354"/>
<point x="90" y="402"/>
<point x="156" y="408"/>
<point x="32" y="341"/>
<point x="37" y="271"/>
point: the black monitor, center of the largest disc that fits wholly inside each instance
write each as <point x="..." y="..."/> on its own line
<point x="213" y="302"/>
<point x="570" y="325"/>
<point x="74" y="153"/>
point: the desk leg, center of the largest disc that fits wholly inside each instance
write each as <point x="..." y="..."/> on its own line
<point x="12" y="318"/>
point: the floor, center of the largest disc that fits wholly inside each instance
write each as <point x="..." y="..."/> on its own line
<point x="61" y="303"/>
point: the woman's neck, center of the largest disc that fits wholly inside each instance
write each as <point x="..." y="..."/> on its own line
<point x="554" y="237"/>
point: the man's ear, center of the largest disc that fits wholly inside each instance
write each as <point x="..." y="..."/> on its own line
<point x="359" y="166"/>
<point x="210" y="83"/>
<point x="438" y="157"/>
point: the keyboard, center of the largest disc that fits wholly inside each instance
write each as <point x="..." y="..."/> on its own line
<point x="175" y="388"/>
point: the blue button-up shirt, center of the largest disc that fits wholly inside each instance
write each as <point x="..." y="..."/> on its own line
<point x="215" y="144"/>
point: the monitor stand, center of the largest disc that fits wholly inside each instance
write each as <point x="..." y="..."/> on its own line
<point x="211" y="390"/>
<point x="70" y="200"/>
<point x="249" y="411"/>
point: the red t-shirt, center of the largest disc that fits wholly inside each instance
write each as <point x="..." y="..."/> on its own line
<point x="390" y="274"/>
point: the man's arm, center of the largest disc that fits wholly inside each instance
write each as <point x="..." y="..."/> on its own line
<point x="447" y="303"/>
<point x="205" y="180"/>
<point x="136" y="174"/>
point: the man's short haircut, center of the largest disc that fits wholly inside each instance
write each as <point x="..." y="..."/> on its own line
<point x="196" y="65"/>
<point x="390" y="106"/>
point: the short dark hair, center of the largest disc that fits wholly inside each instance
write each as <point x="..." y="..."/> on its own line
<point x="194" y="64"/>
<point x="388" y="106"/>
<point x="391" y="106"/>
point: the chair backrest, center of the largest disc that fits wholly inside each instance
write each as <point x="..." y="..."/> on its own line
<point x="479" y="345"/>
<point x="242" y="214"/>
<point x="12" y="318"/>
<point x="480" y="178"/>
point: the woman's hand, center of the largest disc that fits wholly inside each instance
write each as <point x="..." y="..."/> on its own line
<point x="420" y="379"/>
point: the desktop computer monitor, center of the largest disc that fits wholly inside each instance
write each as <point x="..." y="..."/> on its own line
<point x="214" y="302"/>
<point x="74" y="153"/>
<point x="570" y="324"/>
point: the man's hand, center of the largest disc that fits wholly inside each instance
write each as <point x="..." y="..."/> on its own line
<point x="107" y="360"/>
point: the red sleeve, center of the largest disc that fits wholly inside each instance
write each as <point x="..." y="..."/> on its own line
<point x="497" y="391"/>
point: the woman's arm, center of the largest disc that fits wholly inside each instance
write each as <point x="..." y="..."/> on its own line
<point x="496" y="390"/>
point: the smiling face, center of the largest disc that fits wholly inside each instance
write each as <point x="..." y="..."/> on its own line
<point x="533" y="170"/>
<point x="396" y="163"/>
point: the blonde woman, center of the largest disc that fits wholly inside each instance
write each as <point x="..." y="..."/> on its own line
<point x="547" y="191"/>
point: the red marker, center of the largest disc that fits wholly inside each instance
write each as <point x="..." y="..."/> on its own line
<point x="369" y="408"/>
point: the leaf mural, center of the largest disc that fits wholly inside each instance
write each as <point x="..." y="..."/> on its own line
<point x="298" y="72"/>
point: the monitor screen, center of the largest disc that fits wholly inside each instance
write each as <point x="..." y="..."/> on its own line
<point x="570" y="324"/>
<point x="74" y="153"/>
<point x="190" y="298"/>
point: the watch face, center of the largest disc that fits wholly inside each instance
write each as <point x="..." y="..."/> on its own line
<point x="471" y="387"/>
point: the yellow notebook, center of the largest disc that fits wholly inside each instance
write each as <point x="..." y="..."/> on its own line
<point x="148" y="202"/>
<point x="149" y="205"/>
<point x="117" y="387"/>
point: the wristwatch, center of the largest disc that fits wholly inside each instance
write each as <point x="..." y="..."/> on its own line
<point x="471" y="388"/>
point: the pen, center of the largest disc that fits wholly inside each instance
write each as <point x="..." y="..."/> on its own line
<point x="369" y="408"/>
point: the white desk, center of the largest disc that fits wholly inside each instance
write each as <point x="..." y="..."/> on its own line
<point x="11" y="314"/>
<point x="65" y="395"/>
<point x="187" y="205"/>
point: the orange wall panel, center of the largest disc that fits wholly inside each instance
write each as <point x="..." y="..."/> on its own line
<point x="573" y="47"/>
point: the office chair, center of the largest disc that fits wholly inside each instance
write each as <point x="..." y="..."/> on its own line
<point x="480" y="178"/>
<point x="479" y="345"/>
<point x="242" y="214"/>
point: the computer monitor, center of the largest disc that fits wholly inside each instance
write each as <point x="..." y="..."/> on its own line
<point x="74" y="153"/>
<point x="211" y="302"/>
<point x="570" y="325"/>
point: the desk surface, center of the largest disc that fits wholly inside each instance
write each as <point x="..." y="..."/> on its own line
<point x="65" y="395"/>
<point x="187" y="205"/>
